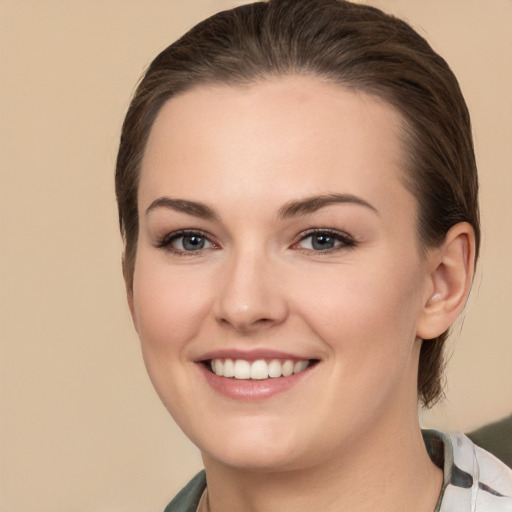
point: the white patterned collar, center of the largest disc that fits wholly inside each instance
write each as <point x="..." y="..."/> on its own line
<point x="474" y="480"/>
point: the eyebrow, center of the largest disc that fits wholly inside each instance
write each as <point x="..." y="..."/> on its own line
<point x="183" y="206"/>
<point x="291" y="209"/>
<point x="314" y="203"/>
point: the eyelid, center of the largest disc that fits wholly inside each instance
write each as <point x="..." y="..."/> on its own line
<point x="347" y="241"/>
<point x="165" y="242"/>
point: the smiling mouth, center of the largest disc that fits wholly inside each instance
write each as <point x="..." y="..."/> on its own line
<point x="260" y="369"/>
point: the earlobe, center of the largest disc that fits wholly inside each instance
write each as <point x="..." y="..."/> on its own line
<point x="450" y="281"/>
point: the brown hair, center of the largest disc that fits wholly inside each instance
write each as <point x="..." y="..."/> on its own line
<point x="356" y="46"/>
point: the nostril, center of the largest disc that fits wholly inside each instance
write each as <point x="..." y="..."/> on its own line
<point x="246" y="324"/>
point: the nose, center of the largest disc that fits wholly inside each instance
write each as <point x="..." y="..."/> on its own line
<point x="251" y="296"/>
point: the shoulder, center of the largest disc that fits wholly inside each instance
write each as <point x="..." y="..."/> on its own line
<point x="188" y="498"/>
<point x="496" y="438"/>
<point x="475" y="480"/>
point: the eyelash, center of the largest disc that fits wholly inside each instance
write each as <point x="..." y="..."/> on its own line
<point x="166" y="241"/>
<point x="344" y="240"/>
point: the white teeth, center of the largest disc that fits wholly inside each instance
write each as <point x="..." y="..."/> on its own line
<point x="217" y="367"/>
<point x="242" y="369"/>
<point x="257" y="370"/>
<point x="229" y="368"/>
<point x="299" y="366"/>
<point x="287" y="368"/>
<point x="274" y="368"/>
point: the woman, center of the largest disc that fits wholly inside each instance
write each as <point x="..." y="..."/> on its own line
<point x="297" y="193"/>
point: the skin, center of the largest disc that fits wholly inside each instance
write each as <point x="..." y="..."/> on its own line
<point x="359" y="309"/>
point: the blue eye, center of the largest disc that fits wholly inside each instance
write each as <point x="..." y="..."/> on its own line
<point x="190" y="242"/>
<point x="186" y="241"/>
<point x="323" y="241"/>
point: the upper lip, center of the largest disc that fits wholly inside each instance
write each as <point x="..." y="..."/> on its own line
<point x="251" y="355"/>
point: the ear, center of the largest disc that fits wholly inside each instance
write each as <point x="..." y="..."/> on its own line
<point x="451" y="274"/>
<point x="128" y="281"/>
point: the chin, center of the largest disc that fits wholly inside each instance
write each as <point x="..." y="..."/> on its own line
<point x="250" y="458"/>
<point x="258" y="448"/>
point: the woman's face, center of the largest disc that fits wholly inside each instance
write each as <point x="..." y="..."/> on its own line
<point x="276" y="235"/>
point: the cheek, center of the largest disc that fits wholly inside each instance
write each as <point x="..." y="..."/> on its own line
<point x="168" y="306"/>
<point x="366" y="310"/>
<point x="368" y="321"/>
<point x="169" y="309"/>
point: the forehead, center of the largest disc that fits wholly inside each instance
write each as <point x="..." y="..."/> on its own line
<point x="284" y="135"/>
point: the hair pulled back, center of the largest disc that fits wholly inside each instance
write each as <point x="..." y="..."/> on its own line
<point x="356" y="46"/>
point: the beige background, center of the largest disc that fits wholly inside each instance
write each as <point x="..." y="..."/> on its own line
<point x="80" y="426"/>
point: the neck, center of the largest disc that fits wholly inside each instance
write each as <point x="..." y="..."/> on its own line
<point x="386" y="470"/>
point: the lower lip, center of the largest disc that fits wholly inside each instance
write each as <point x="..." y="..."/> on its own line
<point x="242" y="389"/>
